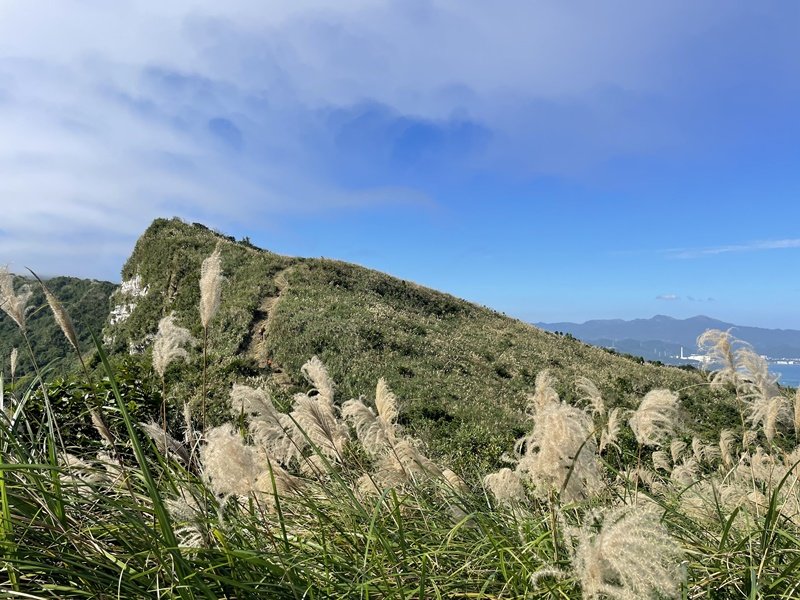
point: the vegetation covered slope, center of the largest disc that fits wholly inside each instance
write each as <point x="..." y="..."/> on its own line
<point x="462" y="371"/>
<point x="86" y="300"/>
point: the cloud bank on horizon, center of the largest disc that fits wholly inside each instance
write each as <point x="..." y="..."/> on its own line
<point x="290" y="115"/>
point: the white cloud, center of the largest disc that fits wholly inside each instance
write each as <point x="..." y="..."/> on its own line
<point x="758" y="246"/>
<point x="668" y="297"/>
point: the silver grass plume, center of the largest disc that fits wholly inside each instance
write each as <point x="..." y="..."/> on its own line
<point x="505" y="485"/>
<point x="165" y="443"/>
<point x="101" y="428"/>
<point x="369" y="430"/>
<point x="686" y="473"/>
<point x="317" y="375"/>
<point x="315" y="413"/>
<point x="676" y="448"/>
<point x="403" y="464"/>
<point x="797" y="412"/>
<point x="661" y="461"/>
<point x="631" y="557"/>
<point x="590" y="393"/>
<point x="229" y="466"/>
<point x="14" y="358"/>
<point x="80" y="473"/>
<point x="703" y="452"/>
<point x="544" y="392"/>
<point x="559" y="455"/>
<point x="768" y="412"/>
<point x="278" y="481"/>
<point x="718" y="346"/>
<point x="726" y="441"/>
<point x="14" y="304"/>
<point x="655" y="418"/>
<point x="211" y="279"/>
<point x="61" y="315"/>
<point x="749" y="438"/>
<point x="454" y="481"/>
<point x="318" y="420"/>
<point x="386" y="403"/>
<point x="168" y="344"/>
<point x="375" y="432"/>
<point x="758" y="387"/>
<point x="610" y="433"/>
<point x="272" y="431"/>
<point x="189" y="516"/>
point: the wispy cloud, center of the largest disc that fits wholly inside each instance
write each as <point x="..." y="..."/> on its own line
<point x="668" y="297"/>
<point x="684" y="253"/>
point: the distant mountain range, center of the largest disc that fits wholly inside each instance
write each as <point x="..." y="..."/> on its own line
<point x="661" y="337"/>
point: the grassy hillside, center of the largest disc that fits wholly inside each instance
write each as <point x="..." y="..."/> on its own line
<point x="311" y="495"/>
<point x="85" y="299"/>
<point x="462" y="371"/>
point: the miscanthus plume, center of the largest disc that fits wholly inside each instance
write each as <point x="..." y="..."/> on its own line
<point x="14" y="304"/>
<point x="720" y="349"/>
<point x="376" y="432"/>
<point x="169" y="343"/>
<point x="275" y="434"/>
<point x="211" y="279"/>
<point x="13" y="359"/>
<point x="559" y="455"/>
<point x="654" y="420"/>
<point x="61" y="316"/>
<point x="631" y="556"/>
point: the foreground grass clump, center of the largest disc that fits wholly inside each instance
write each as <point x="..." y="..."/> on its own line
<point x="318" y="497"/>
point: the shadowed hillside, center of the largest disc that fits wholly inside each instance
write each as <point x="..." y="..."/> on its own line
<point x="462" y="371"/>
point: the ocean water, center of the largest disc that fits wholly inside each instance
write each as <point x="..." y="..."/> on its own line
<point x="790" y="374"/>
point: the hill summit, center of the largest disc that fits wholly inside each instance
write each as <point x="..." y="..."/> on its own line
<point x="462" y="371"/>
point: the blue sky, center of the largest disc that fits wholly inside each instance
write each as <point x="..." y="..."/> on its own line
<point x="555" y="161"/>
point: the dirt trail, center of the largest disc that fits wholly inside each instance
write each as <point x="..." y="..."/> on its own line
<point x="260" y="329"/>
